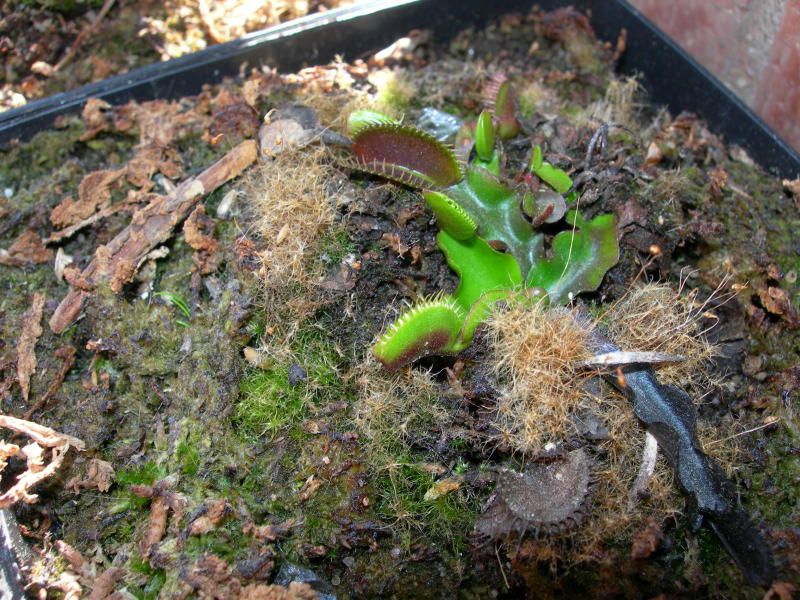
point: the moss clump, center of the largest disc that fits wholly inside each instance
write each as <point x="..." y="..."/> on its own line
<point x="298" y="378"/>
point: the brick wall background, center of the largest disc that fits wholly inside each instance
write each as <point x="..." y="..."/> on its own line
<point x="752" y="46"/>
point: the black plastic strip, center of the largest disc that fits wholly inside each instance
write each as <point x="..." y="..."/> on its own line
<point x="667" y="72"/>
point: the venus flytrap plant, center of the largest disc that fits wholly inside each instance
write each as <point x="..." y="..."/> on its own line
<point x="489" y="233"/>
<point x="489" y="230"/>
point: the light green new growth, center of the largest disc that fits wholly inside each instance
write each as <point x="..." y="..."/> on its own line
<point x="478" y="211"/>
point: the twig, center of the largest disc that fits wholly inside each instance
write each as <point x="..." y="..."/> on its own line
<point x="68" y="354"/>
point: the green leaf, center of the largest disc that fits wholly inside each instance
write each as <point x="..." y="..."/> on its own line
<point x="361" y="119"/>
<point x="554" y="177"/>
<point x="495" y="207"/>
<point x="481" y="268"/>
<point x="450" y="216"/>
<point x="484" y="137"/>
<point x="580" y="258"/>
<point x="536" y="158"/>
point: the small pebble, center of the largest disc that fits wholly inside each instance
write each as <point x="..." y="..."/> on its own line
<point x="297" y="374"/>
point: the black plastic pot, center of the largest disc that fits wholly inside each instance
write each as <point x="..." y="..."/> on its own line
<point x="671" y="76"/>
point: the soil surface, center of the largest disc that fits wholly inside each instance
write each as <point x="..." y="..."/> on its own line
<point x="50" y="47"/>
<point x="191" y="294"/>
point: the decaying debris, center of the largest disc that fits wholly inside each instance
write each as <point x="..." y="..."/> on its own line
<point x="82" y="572"/>
<point x="99" y="476"/>
<point x="27" y="249"/>
<point x="646" y="540"/>
<point x="67" y="354"/>
<point x="36" y="471"/>
<point x="31" y="330"/>
<point x="117" y="261"/>
<point x="269" y="533"/>
<point x="208" y="516"/>
<point x="163" y="500"/>
<point x="212" y="577"/>
<point x="198" y="230"/>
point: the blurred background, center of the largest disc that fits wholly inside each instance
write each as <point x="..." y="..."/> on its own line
<point x="752" y="46"/>
<point x="48" y="46"/>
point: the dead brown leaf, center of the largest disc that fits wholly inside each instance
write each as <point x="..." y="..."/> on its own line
<point x="443" y="487"/>
<point x="95" y="116"/>
<point x="212" y="578"/>
<point x="99" y="476"/>
<point x="793" y="187"/>
<point x="295" y="591"/>
<point x="94" y="192"/>
<point x="152" y="159"/>
<point x="235" y="120"/>
<point x="26" y="249"/>
<point x="269" y="533"/>
<point x="646" y="540"/>
<point x="215" y="511"/>
<point x="163" y="500"/>
<point x="781" y="590"/>
<point x="718" y="179"/>
<point x="104" y="583"/>
<point x="309" y="488"/>
<point x="198" y="230"/>
<point x="33" y="453"/>
<point x="31" y="330"/>
<point x="777" y="301"/>
<point x="653" y="156"/>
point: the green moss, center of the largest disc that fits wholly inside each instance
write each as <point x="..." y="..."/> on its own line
<point x="445" y="521"/>
<point x="153" y="578"/>
<point x="270" y="403"/>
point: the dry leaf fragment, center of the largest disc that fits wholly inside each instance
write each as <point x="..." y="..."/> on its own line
<point x="198" y="230"/>
<point x="104" y="584"/>
<point x="780" y="590"/>
<point x="34" y="455"/>
<point x="99" y="475"/>
<point x="653" y="156"/>
<point x="268" y="533"/>
<point x="214" y="512"/>
<point x="646" y="540"/>
<point x="163" y="500"/>
<point x="26" y="249"/>
<point x="94" y="193"/>
<point x="443" y="487"/>
<point x="309" y="488"/>
<point x="777" y="301"/>
<point x="295" y="591"/>
<point x="31" y="330"/>
<point x="63" y="260"/>
<point x="95" y="117"/>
